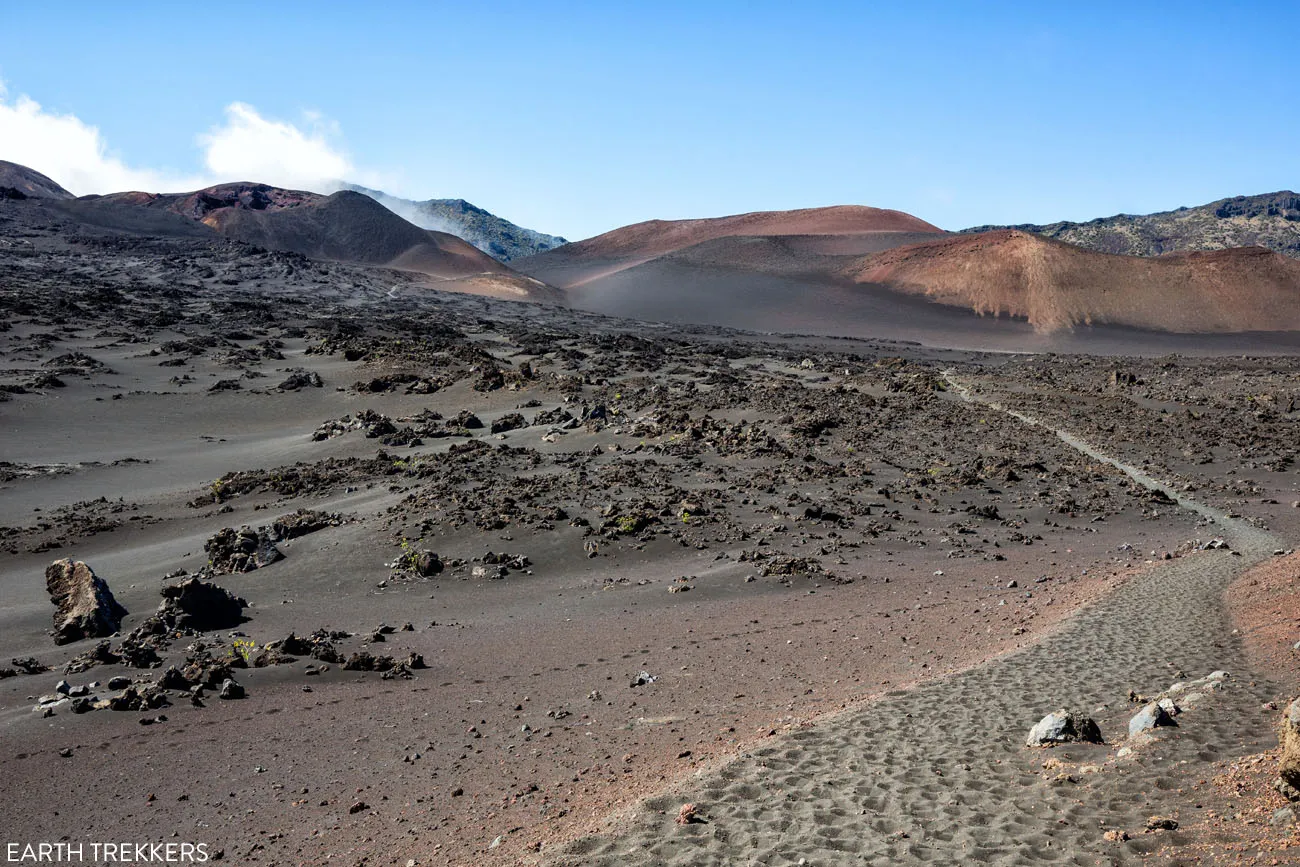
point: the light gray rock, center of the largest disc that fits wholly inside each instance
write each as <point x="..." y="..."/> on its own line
<point x="1064" y="726"/>
<point x="1209" y="683"/>
<point x="1151" y="716"/>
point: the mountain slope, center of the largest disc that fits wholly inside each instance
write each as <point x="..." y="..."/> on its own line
<point x="656" y="237"/>
<point x="496" y="236"/>
<point x="30" y="182"/>
<point x="1058" y="286"/>
<point x="1271" y="221"/>
<point x="844" y="228"/>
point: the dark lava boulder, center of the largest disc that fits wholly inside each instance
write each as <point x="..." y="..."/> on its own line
<point x="198" y="604"/>
<point x="465" y="420"/>
<point x="490" y="378"/>
<point x="512" y="421"/>
<point x="364" y="660"/>
<point x="86" y="606"/>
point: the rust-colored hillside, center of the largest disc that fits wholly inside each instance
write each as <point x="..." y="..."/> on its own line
<point x="656" y="237"/>
<point x="1055" y="285"/>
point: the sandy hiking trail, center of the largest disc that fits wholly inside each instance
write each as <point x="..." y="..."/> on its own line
<point x="939" y="774"/>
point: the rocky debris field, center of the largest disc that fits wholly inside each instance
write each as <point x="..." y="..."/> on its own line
<point x="1220" y="429"/>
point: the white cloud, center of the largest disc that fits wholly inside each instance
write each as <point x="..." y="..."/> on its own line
<point x="249" y="147"/>
<point x="71" y="152"/>
<point x="245" y="147"/>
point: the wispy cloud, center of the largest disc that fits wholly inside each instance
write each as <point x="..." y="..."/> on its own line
<point x="245" y="146"/>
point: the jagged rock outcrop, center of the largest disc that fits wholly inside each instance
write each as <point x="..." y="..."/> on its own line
<point x="1271" y="221"/>
<point x="86" y="607"/>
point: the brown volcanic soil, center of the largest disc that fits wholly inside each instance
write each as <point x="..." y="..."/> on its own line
<point x="1265" y="606"/>
<point x="1057" y="286"/>
<point x="881" y="519"/>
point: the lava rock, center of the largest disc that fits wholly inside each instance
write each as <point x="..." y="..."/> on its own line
<point x="1063" y="726"/>
<point x="300" y="378"/>
<point x="241" y="550"/>
<point x="201" y="605"/>
<point x="1289" y="737"/>
<point x="27" y="665"/>
<point x="231" y="689"/>
<point x="1152" y="716"/>
<point x="86" y="607"/>
<point x="510" y="422"/>
<point x="363" y="660"/>
<point x="302" y="522"/>
<point x="319" y="645"/>
<point x="100" y="654"/>
<point x="465" y="420"/>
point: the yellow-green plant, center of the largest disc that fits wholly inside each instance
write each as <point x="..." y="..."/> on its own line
<point x="244" y="647"/>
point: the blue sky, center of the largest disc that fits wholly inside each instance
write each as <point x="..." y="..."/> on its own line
<point x="577" y="118"/>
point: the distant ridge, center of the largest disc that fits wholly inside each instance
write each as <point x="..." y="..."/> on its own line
<point x="1271" y="220"/>
<point x="656" y="237"/>
<point x="345" y="227"/>
<point x="820" y="232"/>
<point x="496" y="236"/>
<point x="852" y="270"/>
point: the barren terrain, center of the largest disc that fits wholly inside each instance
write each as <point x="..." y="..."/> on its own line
<point x="554" y="562"/>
